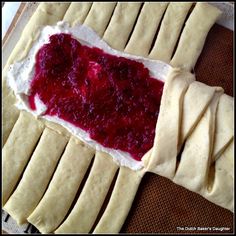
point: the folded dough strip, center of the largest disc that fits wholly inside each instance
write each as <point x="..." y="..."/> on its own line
<point x="36" y="176"/>
<point x="224" y="125"/>
<point x="121" y="24"/>
<point x="193" y="108"/>
<point x="99" y="16"/>
<point x="17" y="151"/>
<point x="162" y="160"/>
<point x="194" y="35"/>
<point x="77" y="12"/>
<point x="170" y="30"/>
<point x="221" y="190"/>
<point x="90" y="201"/>
<point x="63" y="187"/>
<point x="46" y="13"/>
<point x="196" y="157"/>
<point x="142" y="36"/>
<point x="120" y="202"/>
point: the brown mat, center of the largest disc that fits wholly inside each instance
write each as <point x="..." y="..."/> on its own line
<point x="161" y="206"/>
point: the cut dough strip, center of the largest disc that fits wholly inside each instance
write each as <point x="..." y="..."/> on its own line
<point x="193" y="108"/>
<point x="165" y="148"/>
<point x="192" y="172"/>
<point x="142" y="36"/>
<point x="46" y="13"/>
<point x="17" y="151"/>
<point x="63" y="187"/>
<point x="10" y="113"/>
<point x="170" y="29"/>
<point x="120" y="26"/>
<point x="224" y="125"/>
<point x="89" y="203"/>
<point x="99" y="16"/>
<point x="194" y="34"/>
<point x="36" y="176"/>
<point x="222" y="189"/>
<point x="77" y="12"/>
<point x="120" y="202"/>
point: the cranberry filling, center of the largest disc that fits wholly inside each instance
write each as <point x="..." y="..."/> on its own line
<point x="112" y="98"/>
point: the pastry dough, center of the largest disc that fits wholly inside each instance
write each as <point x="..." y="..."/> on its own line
<point x="120" y="26"/>
<point x="77" y="12"/>
<point x="81" y="219"/>
<point x="163" y="157"/>
<point x="169" y="31"/>
<point x="194" y="35"/>
<point x="192" y="172"/>
<point x="120" y="202"/>
<point x="89" y="203"/>
<point x="142" y="36"/>
<point x="36" y="176"/>
<point x="99" y="16"/>
<point x="17" y="151"/>
<point x="46" y="13"/>
<point x="221" y="186"/>
<point x="193" y="108"/>
<point x="63" y="187"/>
<point x="224" y="125"/>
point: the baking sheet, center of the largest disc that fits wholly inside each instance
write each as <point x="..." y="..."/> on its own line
<point x="160" y="205"/>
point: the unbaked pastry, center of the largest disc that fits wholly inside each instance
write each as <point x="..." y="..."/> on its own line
<point x="117" y="37"/>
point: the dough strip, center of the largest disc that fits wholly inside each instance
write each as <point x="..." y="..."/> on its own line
<point x="36" y="176"/>
<point x="142" y="36"/>
<point x="194" y="35"/>
<point x="99" y="16"/>
<point x="90" y="201"/>
<point x="17" y="151"/>
<point x="196" y="157"/>
<point x="170" y="29"/>
<point x="165" y="148"/>
<point x="77" y="12"/>
<point x="63" y="187"/>
<point x="121" y="200"/>
<point x="122" y="21"/>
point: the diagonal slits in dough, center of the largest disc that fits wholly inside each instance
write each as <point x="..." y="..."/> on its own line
<point x="224" y="132"/>
<point x="87" y="207"/>
<point x="120" y="202"/>
<point x="36" y="176"/>
<point x="77" y="12"/>
<point x="142" y="36"/>
<point x="194" y="34"/>
<point x="170" y="29"/>
<point x="63" y="187"/>
<point x="162" y="160"/>
<point x="99" y="16"/>
<point x="17" y="151"/>
<point x="220" y="184"/>
<point x="121" y="24"/>
<point x="196" y="157"/>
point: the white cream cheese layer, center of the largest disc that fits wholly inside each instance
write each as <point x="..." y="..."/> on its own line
<point x="21" y="73"/>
